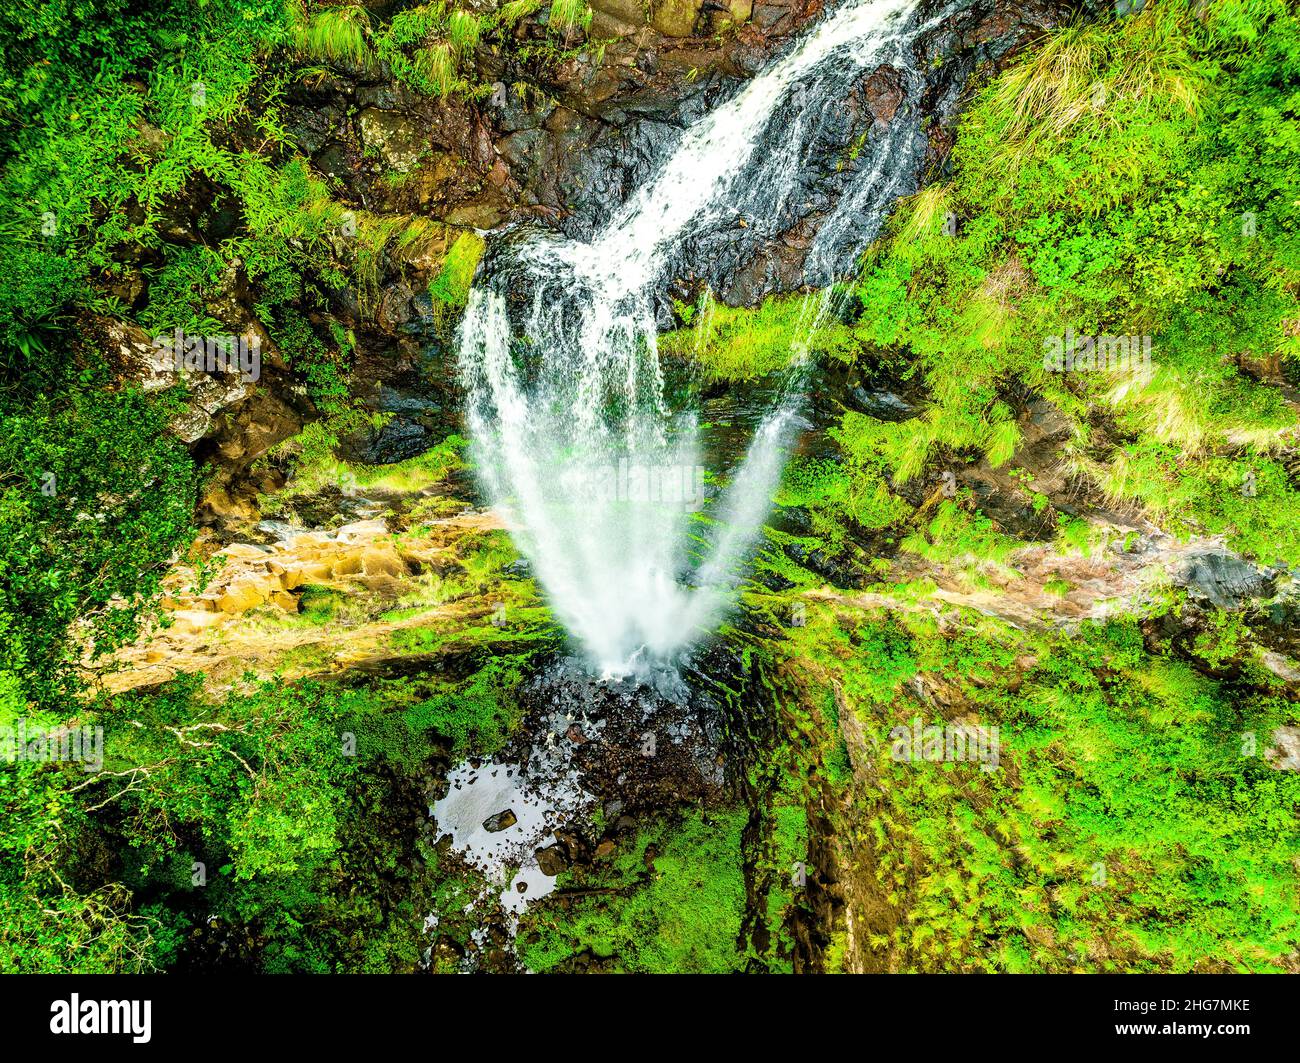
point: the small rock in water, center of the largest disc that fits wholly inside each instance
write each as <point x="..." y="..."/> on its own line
<point x="501" y="821"/>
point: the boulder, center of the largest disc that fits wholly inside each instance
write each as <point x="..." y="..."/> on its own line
<point x="551" y="860"/>
<point x="241" y="597"/>
<point x="1222" y="578"/>
<point x="382" y="561"/>
<point x="676" y="18"/>
<point x="395" y="136"/>
<point x="1285" y="754"/>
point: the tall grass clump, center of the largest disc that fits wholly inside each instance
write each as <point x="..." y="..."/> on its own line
<point x="568" y="15"/>
<point x="336" y="35"/>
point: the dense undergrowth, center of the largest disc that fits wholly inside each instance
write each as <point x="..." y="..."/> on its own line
<point x="1130" y="822"/>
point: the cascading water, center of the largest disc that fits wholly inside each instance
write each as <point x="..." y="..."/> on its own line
<point x="573" y="434"/>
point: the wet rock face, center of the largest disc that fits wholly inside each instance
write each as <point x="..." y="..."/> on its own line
<point x="1222" y="578"/>
<point x="565" y="152"/>
<point x="907" y="117"/>
<point x="565" y="144"/>
<point x="880" y="404"/>
<point x="575" y="162"/>
<point x="630" y="743"/>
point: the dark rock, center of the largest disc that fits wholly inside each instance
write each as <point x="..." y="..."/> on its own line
<point x="398" y="440"/>
<point x="395" y="136"/>
<point x="391" y="400"/>
<point x="333" y="162"/>
<point x="884" y="92"/>
<point x="570" y="844"/>
<point x="1048" y="419"/>
<point x="552" y="860"/>
<point x="815" y="560"/>
<point x="1222" y="578"/>
<point x="882" y="405"/>
<point x="311" y="129"/>
<point x="774" y="581"/>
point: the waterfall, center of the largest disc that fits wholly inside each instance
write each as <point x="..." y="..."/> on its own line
<point x="598" y="479"/>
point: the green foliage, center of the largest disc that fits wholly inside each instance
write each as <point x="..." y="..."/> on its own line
<point x="567" y="15"/>
<point x="97" y="500"/>
<point x="670" y="902"/>
<point x="278" y="792"/>
<point x="735" y="344"/>
<point x="1132" y="177"/>
<point x="451" y="286"/>
<point x="336" y="35"/>
<point x="430" y="47"/>
<point x="872" y="451"/>
<point x="821" y="488"/>
<point x="956" y="534"/>
<point x="477" y="716"/>
<point x="82" y="151"/>
<point x="1129" y="825"/>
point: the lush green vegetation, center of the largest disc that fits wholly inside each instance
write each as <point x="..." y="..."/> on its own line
<point x="1126" y="177"/>
<point x="1130" y="824"/>
<point x="671" y="901"/>
<point x="428" y="47"/>
<point x="269" y="830"/>
<point x="1135" y="177"/>
<point x="737" y="344"/>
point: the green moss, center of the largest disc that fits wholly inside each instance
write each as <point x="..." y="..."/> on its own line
<point x="450" y="287"/>
<point x="737" y="344"/>
<point x="957" y="534"/>
<point x="682" y="916"/>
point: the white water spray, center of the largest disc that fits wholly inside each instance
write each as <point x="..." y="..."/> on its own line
<point x="573" y="434"/>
